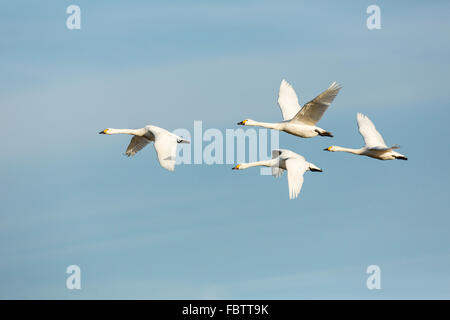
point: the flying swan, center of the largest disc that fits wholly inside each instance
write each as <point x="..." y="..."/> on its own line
<point x="165" y="143"/>
<point x="298" y="121"/>
<point x="375" y="146"/>
<point x="283" y="159"/>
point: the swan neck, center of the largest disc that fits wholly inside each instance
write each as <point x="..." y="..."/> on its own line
<point x="123" y="131"/>
<point x="268" y="125"/>
<point x="264" y="163"/>
<point x="349" y="150"/>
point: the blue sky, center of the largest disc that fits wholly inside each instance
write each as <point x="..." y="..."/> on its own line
<point x="69" y="196"/>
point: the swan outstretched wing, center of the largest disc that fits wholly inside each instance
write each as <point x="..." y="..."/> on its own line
<point x="276" y="170"/>
<point x="313" y="111"/>
<point x="137" y="143"/>
<point x="295" y="170"/>
<point x="371" y="136"/>
<point x="276" y="153"/>
<point x="166" y="149"/>
<point x="288" y="101"/>
<point x="285" y="153"/>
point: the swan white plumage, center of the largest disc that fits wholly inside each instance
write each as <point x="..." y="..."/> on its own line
<point x="298" y="121"/>
<point x="283" y="159"/>
<point x="165" y="143"/>
<point x="375" y="146"/>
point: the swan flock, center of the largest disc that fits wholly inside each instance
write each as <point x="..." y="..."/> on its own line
<point x="297" y="121"/>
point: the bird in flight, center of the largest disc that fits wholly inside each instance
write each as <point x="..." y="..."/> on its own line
<point x="375" y="146"/>
<point x="282" y="160"/>
<point x="165" y="143"/>
<point x="299" y="121"/>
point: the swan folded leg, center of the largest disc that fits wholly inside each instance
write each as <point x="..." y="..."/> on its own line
<point x="400" y="157"/>
<point x="313" y="168"/>
<point x="324" y="133"/>
<point x="181" y="140"/>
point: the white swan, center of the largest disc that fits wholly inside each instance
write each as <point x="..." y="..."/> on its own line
<point x="375" y="146"/>
<point x="165" y="143"/>
<point x="283" y="159"/>
<point x="298" y="121"/>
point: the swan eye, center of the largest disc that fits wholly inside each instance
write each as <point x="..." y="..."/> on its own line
<point x="105" y="131"/>
<point x="329" y="148"/>
<point x="237" y="167"/>
<point x="243" y="122"/>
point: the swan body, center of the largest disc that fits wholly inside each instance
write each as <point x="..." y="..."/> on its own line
<point x="374" y="143"/>
<point x="282" y="160"/>
<point x="299" y="121"/>
<point x="165" y="143"/>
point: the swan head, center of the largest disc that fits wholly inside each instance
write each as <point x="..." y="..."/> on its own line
<point x="104" y="131"/>
<point x="246" y="122"/>
<point x="331" y="149"/>
<point x="238" y="167"/>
